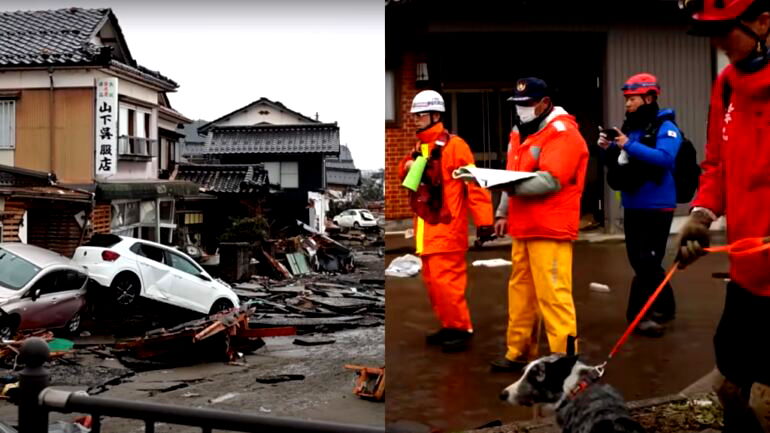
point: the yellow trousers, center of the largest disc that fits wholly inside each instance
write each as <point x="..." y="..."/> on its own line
<point x="540" y="286"/>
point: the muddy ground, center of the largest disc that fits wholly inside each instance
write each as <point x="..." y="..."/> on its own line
<point x="435" y="391"/>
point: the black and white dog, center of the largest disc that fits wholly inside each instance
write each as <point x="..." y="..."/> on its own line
<point x="569" y="386"/>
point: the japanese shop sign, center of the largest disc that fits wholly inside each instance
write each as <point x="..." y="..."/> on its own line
<point x="106" y="122"/>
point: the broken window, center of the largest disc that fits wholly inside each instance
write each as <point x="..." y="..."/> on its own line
<point x="125" y="218"/>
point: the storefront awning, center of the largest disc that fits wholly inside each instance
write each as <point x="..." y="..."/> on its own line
<point x="46" y="193"/>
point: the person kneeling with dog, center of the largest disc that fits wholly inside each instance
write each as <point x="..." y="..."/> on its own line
<point x="542" y="215"/>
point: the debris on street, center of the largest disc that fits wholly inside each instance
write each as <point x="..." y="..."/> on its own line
<point x="404" y="266"/>
<point x="280" y="378"/>
<point x="313" y="342"/>
<point x="218" y="337"/>
<point x="491" y="263"/>
<point x="220" y="399"/>
<point x="600" y="288"/>
<point x="370" y="384"/>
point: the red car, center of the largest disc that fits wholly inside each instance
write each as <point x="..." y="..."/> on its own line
<point x="39" y="289"/>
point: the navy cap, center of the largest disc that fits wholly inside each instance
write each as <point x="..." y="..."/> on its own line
<point x="529" y="90"/>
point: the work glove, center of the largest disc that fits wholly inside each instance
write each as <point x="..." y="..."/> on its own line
<point x="693" y="238"/>
<point x="485" y="233"/>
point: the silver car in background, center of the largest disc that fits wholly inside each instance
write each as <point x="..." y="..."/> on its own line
<point x="39" y="289"/>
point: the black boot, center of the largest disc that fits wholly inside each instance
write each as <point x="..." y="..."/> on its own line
<point x="437" y="337"/>
<point x="456" y="340"/>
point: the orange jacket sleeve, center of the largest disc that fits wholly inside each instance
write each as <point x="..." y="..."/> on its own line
<point x="562" y="156"/>
<point x="711" y="191"/>
<point x="479" y="199"/>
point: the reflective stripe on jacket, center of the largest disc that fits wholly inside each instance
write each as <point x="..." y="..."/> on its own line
<point x="458" y="197"/>
<point x="559" y="149"/>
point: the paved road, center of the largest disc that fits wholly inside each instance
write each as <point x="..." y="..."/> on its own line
<point x="449" y="392"/>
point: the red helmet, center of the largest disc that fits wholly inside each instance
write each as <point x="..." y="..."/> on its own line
<point x="641" y="84"/>
<point x="715" y="10"/>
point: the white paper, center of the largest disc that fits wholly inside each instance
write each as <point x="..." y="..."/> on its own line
<point x="488" y="177"/>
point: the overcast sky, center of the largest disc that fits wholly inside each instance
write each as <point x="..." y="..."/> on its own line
<point x="324" y="57"/>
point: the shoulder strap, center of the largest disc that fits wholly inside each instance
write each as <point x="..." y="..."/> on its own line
<point x="441" y="141"/>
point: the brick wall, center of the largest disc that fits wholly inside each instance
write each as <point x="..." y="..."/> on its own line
<point x="399" y="141"/>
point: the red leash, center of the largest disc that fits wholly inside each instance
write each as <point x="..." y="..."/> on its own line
<point x="739" y="248"/>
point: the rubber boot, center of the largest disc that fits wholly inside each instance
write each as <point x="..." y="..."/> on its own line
<point x="738" y="416"/>
<point x="759" y="402"/>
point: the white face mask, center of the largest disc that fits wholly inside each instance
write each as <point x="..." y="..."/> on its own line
<point x="526" y="114"/>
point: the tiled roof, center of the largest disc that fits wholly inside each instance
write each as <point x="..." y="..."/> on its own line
<point x="62" y="37"/>
<point x="343" y="177"/>
<point x="191" y="132"/>
<point x="49" y="37"/>
<point x="225" y="178"/>
<point x="344" y="161"/>
<point x="275" y="104"/>
<point x="309" y="138"/>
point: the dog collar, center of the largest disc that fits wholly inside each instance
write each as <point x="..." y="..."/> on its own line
<point x="592" y="377"/>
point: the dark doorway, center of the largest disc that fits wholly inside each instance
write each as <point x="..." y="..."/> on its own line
<point x="478" y="72"/>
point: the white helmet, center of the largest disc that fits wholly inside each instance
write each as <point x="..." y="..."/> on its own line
<point x="427" y="100"/>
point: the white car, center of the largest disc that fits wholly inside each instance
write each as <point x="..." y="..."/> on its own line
<point x="136" y="267"/>
<point x="355" y="218"/>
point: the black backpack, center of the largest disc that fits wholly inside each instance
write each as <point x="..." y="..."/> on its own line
<point x="686" y="171"/>
<point x="632" y="176"/>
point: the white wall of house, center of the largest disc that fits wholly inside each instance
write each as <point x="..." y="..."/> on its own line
<point x="133" y="170"/>
<point x="6" y="157"/>
<point x="166" y="124"/>
<point x="73" y="78"/>
<point x="262" y="113"/>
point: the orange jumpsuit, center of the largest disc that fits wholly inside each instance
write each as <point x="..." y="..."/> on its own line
<point x="442" y="247"/>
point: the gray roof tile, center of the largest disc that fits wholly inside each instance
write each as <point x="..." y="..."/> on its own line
<point x="340" y="177"/>
<point x="60" y="37"/>
<point x="309" y="138"/>
<point x="49" y="37"/>
<point x="225" y="178"/>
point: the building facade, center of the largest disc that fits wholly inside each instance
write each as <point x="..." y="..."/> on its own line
<point x="74" y="103"/>
<point x="585" y="51"/>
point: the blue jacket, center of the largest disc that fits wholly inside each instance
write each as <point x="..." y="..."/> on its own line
<point x="653" y="194"/>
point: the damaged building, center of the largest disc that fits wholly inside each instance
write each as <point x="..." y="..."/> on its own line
<point x="75" y="106"/>
<point x="291" y="147"/>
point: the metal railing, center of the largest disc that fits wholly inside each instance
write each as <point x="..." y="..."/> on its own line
<point x="137" y="146"/>
<point x="36" y="400"/>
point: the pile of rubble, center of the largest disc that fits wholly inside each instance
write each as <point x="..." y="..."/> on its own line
<point x="315" y="252"/>
<point x="315" y="305"/>
<point x="219" y="337"/>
